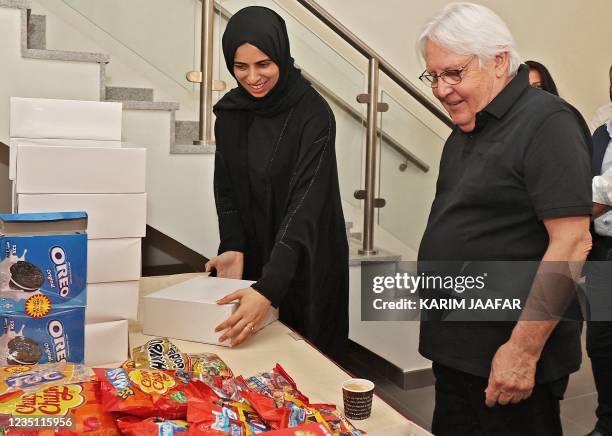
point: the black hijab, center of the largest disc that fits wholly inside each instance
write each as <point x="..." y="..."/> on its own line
<point x="266" y="30"/>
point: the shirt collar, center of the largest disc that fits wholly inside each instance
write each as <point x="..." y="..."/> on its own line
<point x="609" y="127"/>
<point x="503" y="101"/>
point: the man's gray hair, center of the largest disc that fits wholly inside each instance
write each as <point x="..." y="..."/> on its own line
<point x="468" y="28"/>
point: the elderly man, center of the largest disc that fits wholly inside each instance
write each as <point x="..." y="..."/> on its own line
<point x="514" y="184"/>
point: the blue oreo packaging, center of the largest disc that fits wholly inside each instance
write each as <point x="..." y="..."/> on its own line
<point x="43" y="262"/>
<point x="55" y="338"/>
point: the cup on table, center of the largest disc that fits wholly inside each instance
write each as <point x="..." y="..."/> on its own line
<point x="357" y="394"/>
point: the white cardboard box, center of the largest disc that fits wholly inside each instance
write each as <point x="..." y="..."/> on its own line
<point x="106" y="342"/>
<point x="112" y="301"/>
<point x="14" y="142"/>
<point x="189" y="311"/>
<point x="113" y="260"/>
<point x="84" y="170"/>
<point x="110" y="215"/>
<point x="69" y="119"/>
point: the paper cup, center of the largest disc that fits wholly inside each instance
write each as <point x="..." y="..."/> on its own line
<point x="357" y="394"/>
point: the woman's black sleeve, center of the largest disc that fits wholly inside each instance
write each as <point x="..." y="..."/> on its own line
<point x="231" y="231"/>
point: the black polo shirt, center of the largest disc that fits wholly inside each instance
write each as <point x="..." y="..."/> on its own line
<point x="528" y="159"/>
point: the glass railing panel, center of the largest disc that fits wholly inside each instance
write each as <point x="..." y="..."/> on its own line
<point x="338" y="81"/>
<point x="408" y="193"/>
<point x="162" y="32"/>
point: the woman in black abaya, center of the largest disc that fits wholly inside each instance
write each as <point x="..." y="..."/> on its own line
<point x="276" y="190"/>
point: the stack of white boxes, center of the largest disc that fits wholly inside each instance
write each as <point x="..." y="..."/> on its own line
<point x="67" y="156"/>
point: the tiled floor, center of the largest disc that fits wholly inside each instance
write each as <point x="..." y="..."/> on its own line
<point x="577" y="409"/>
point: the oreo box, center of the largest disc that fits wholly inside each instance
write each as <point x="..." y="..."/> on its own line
<point x="55" y="338"/>
<point x="43" y="262"/>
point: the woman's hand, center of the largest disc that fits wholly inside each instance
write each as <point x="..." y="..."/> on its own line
<point x="229" y="265"/>
<point x="244" y="321"/>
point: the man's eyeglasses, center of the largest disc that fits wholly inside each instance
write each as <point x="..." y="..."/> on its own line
<point x="452" y="77"/>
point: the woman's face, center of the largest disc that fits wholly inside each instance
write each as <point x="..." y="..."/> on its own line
<point x="254" y="70"/>
<point x="535" y="79"/>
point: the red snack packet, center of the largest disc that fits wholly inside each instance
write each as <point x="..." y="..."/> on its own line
<point x="74" y="407"/>
<point x="213" y="414"/>
<point x="337" y="422"/>
<point x="206" y="429"/>
<point x="132" y="426"/>
<point x="284" y="381"/>
<point x="277" y="399"/>
<point x="275" y="414"/>
<point x="144" y="392"/>
<point x="312" y="429"/>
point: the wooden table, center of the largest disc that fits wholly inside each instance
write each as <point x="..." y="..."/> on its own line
<point x="316" y="376"/>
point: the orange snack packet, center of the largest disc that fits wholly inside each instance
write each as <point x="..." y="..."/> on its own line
<point x="74" y="408"/>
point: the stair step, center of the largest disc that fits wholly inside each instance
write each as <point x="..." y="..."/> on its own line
<point x="62" y="55"/>
<point x="37" y="32"/>
<point x="148" y="105"/>
<point x="16" y="4"/>
<point x="186" y="132"/>
<point x="120" y="93"/>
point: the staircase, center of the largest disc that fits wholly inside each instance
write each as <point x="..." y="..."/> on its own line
<point x="33" y="43"/>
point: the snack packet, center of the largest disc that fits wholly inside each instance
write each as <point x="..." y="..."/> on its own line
<point x="17" y="380"/>
<point x="144" y="392"/>
<point x="210" y="412"/>
<point x="132" y="426"/>
<point x="278" y="380"/>
<point x="337" y="422"/>
<point x="302" y="430"/>
<point x="73" y="408"/>
<point x="161" y="353"/>
<point x="209" y="364"/>
<point x="283" y="411"/>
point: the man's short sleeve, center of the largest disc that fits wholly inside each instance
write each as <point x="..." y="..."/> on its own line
<point x="558" y="168"/>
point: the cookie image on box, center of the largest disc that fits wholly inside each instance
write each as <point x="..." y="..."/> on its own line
<point x="26" y="276"/>
<point x="23" y="351"/>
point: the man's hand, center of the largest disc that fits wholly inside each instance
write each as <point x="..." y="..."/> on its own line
<point x="244" y="321"/>
<point x="512" y="376"/>
<point x="229" y="265"/>
<point x="513" y="368"/>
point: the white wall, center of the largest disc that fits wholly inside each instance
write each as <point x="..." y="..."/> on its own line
<point x="573" y="38"/>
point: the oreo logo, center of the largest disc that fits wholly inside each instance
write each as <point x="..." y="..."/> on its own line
<point x="56" y="330"/>
<point x="58" y="256"/>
